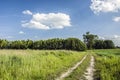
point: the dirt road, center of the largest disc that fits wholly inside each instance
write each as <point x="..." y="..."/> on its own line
<point x="90" y="70"/>
<point x="70" y="70"/>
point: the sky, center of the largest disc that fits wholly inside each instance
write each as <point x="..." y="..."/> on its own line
<point x="44" y="19"/>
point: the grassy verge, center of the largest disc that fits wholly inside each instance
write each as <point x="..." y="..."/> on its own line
<point x="78" y="73"/>
<point x="36" y="64"/>
<point x="107" y="65"/>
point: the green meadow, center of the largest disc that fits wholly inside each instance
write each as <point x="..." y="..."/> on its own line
<point x="50" y="64"/>
<point x="36" y="64"/>
<point x="107" y="64"/>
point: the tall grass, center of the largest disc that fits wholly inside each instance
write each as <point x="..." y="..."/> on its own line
<point x="36" y="64"/>
<point x="107" y="65"/>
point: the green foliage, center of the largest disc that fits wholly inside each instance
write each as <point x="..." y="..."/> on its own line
<point x="104" y="44"/>
<point x="74" y="44"/>
<point x="89" y="39"/>
<point x="50" y="44"/>
<point x="109" y="44"/>
<point x="107" y="65"/>
<point x="3" y="44"/>
<point x="35" y="64"/>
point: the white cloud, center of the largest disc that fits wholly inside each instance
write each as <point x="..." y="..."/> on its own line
<point x="28" y="12"/>
<point x="21" y="32"/>
<point x="98" y="6"/>
<point x="116" y="19"/>
<point x="48" y="21"/>
<point x="116" y="36"/>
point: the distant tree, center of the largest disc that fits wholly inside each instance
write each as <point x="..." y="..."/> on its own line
<point x="55" y="43"/>
<point x="104" y="44"/>
<point x="29" y="44"/>
<point x="99" y="44"/>
<point x="108" y="44"/>
<point x="74" y="44"/>
<point x="89" y="39"/>
<point x="3" y="44"/>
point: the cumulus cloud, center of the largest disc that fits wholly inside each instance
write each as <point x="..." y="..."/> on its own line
<point x="48" y="21"/>
<point x="21" y="32"/>
<point x="116" y="19"/>
<point x="98" y="6"/>
<point x="28" y="12"/>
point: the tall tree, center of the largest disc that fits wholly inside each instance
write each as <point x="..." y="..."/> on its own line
<point x="89" y="39"/>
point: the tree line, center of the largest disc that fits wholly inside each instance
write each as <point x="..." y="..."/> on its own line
<point x="91" y="41"/>
<point x="51" y="44"/>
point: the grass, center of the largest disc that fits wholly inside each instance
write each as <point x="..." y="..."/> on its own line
<point x="36" y="64"/>
<point x="107" y="64"/>
<point x="49" y="64"/>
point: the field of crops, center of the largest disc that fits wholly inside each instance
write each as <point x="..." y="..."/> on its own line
<point x="50" y="64"/>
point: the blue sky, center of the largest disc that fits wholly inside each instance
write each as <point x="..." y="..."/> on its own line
<point x="43" y="19"/>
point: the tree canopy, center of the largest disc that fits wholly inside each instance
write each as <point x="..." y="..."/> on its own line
<point x="51" y="44"/>
<point x="104" y="44"/>
<point x="93" y="42"/>
<point x="89" y="39"/>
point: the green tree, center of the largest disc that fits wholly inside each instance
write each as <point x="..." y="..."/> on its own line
<point x="3" y="44"/>
<point x="108" y="44"/>
<point x="55" y="43"/>
<point x="89" y="39"/>
<point x="104" y="44"/>
<point x="99" y="44"/>
<point x="29" y="44"/>
<point x="74" y="44"/>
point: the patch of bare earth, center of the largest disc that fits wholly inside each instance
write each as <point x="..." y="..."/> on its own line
<point x="70" y="70"/>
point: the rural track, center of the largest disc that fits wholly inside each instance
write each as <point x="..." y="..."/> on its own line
<point x="70" y="70"/>
<point x="88" y="75"/>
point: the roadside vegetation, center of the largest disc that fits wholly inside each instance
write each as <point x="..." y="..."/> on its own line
<point x="36" y="64"/>
<point x="107" y="64"/>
